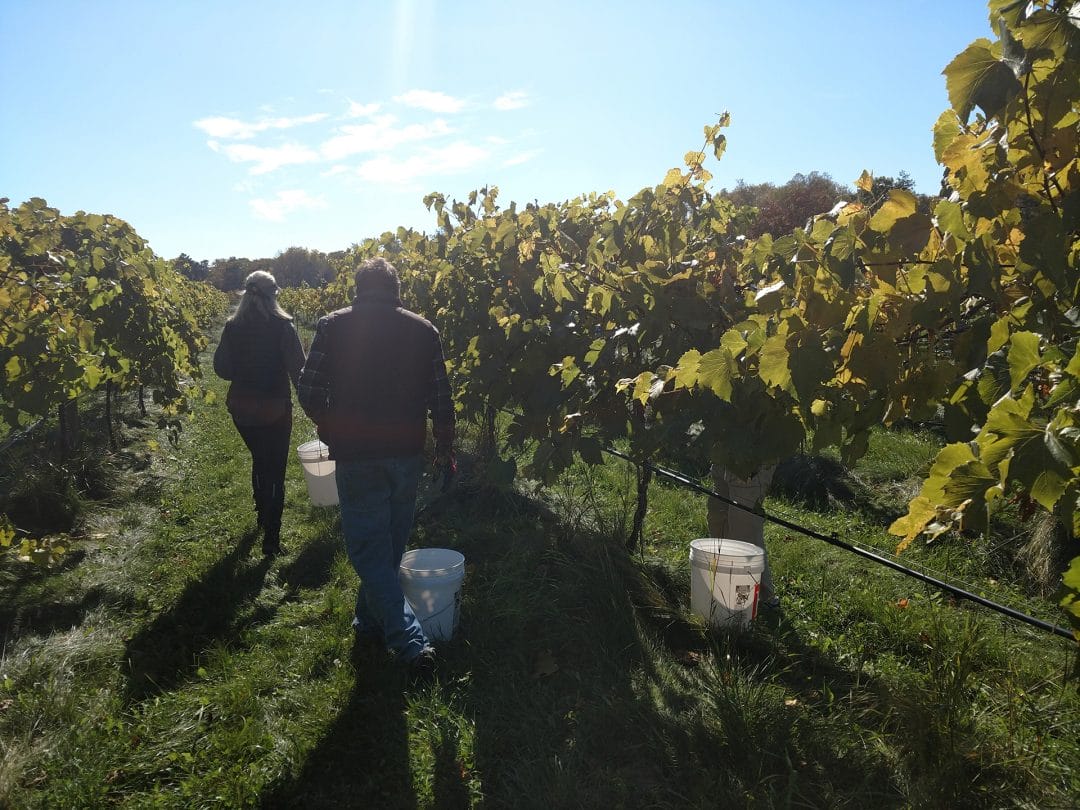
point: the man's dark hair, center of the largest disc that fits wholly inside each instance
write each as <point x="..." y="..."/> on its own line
<point x="377" y="276"/>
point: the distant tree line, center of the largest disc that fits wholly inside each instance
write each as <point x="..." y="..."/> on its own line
<point x="295" y="267"/>
<point x="768" y="208"/>
<point x="780" y="209"/>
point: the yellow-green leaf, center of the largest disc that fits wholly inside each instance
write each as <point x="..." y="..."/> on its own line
<point x="950" y="218"/>
<point x="999" y="335"/>
<point x="673" y="178"/>
<point x="715" y="371"/>
<point x="774" y="363"/>
<point x="686" y="371"/>
<point x="901" y="204"/>
<point x="978" y="77"/>
<point x="1023" y="357"/>
<point x="7" y="531"/>
<point x="920" y="512"/>
<point x="644" y="387"/>
<point x="946" y="131"/>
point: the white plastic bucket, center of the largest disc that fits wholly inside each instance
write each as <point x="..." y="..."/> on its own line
<point x="725" y="577"/>
<point x="318" y="472"/>
<point x="431" y="579"/>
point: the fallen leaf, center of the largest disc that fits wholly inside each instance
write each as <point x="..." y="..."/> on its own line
<point x="902" y="604"/>
<point x="791" y="702"/>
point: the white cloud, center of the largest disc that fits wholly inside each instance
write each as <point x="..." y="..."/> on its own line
<point x="358" y="110"/>
<point x="456" y="157"/>
<point x="285" y="202"/>
<point x="269" y="158"/>
<point x="235" y="129"/>
<point x="365" y="144"/>
<point x="381" y="135"/>
<point x="523" y="157"/>
<point x="514" y="100"/>
<point x="430" y="100"/>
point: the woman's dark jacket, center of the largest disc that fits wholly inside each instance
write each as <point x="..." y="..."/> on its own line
<point x="260" y="356"/>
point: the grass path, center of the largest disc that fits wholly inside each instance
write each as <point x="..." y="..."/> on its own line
<point x="168" y="665"/>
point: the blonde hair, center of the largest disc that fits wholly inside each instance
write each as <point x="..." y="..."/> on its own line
<point x="259" y="300"/>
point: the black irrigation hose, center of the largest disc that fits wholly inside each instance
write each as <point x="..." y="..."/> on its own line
<point x="14" y="437"/>
<point x="869" y="555"/>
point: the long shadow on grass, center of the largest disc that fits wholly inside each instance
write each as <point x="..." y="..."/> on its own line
<point x="772" y="651"/>
<point x="46" y="618"/>
<point x="548" y="662"/>
<point x="312" y="566"/>
<point x="363" y="758"/>
<point x="22" y="614"/>
<point x="560" y="682"/>
<point x="449" y="788"/>
<point x="588" y="689"/>
<point x="163" y="654"/>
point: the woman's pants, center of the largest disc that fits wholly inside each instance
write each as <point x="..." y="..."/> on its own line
<point x="269" y="446"/>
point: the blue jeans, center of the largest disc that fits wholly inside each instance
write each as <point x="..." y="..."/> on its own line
<point x="378" y="502"/>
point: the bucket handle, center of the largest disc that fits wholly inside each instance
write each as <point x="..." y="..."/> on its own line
<point x="453" y="604"/>
<point x="441" y="612"/>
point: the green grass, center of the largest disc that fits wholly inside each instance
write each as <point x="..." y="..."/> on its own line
<point x="163" y="664"/>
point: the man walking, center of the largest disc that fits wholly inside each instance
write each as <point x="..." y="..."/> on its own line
<point x="374" y="372"/>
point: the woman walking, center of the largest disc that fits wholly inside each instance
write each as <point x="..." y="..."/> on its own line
<point x="260" y="353"/>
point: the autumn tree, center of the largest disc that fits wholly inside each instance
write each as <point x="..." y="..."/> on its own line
<point x="299" y="266"/>
<point x="191" y="269"/>
<point x="228" y="274"/>
<point x="781" y="209"/>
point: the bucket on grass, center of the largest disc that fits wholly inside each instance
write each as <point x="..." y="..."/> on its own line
<point x="725" y="577"/>
<point x="318" y="472"/>
<point x="431" y="579"/>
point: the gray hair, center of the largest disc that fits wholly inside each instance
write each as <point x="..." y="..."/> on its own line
<point x="259" y="300"/>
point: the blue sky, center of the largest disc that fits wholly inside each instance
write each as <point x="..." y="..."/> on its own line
<point x="241" y="128"/>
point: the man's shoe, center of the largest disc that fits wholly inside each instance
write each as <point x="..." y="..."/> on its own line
<point x="422" y="668"/>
